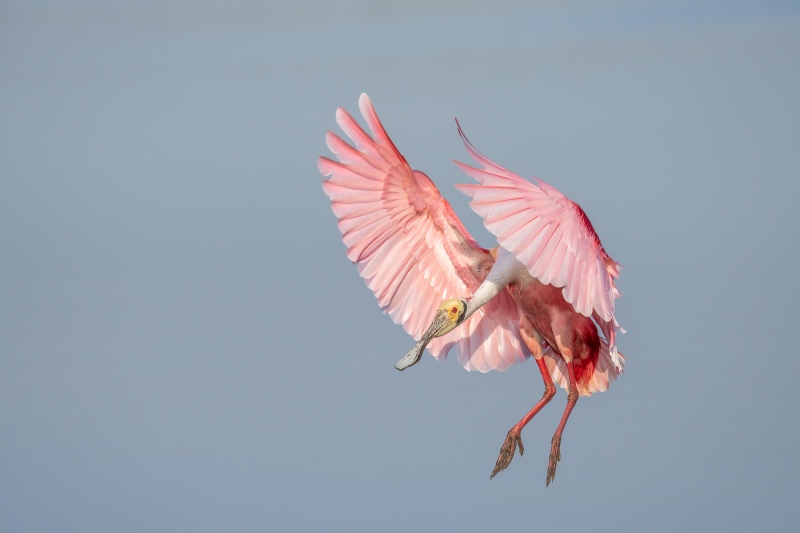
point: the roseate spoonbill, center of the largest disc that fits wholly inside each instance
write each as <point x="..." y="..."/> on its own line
<point x="543" y="291"/>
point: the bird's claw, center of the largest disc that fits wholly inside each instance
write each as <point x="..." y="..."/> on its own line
<point x="555" y="457"/>
<point x="507" y="452"/>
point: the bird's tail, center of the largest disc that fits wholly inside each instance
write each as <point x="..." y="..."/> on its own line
<point x="592" y="376"/>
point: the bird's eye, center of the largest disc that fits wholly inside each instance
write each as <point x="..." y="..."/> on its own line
<point x="454" y="310"/>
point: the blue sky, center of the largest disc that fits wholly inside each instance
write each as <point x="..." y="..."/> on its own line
<point x="185" y="347"/>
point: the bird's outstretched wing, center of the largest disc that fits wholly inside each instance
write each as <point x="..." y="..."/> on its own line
<point x="410" y="247"/>
<point x="551" y="235"/>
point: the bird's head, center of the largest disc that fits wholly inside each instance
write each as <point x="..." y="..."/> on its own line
<point x="450" y="314"/>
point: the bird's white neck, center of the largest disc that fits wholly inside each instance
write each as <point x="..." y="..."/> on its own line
<point x="506" y="270"/>
<point x="485" y="292"/>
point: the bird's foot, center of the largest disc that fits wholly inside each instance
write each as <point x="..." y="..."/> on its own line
<point x="555" y="457"/>
<point x="507" y="452"/>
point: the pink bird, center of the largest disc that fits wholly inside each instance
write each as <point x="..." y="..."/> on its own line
<point x="544" y="291"/>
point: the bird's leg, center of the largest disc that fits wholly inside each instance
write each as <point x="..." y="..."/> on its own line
<point x="534" y="343"/>
<point x="555" y="445"/>
<point x="513" y="437"/>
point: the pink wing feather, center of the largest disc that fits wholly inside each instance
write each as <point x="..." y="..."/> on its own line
<point x="551" y="235"/>
<point x="410" y="247"/>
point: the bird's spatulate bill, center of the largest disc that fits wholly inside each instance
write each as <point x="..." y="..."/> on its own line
<point x="440" y="321"/>
<point x="411" y="357"/>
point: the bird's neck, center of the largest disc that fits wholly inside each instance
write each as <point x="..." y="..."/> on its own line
<point x="488" y="290"/>
<point x="506" y="270"/>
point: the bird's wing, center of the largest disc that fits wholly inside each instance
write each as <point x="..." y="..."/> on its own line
<point x="551" y="235"/>
<point x="410" y="247"/>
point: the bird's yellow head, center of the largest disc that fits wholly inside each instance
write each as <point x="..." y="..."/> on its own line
<point x="450" y="314"/>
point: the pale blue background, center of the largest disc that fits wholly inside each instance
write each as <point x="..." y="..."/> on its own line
<point x="185" y="347"/>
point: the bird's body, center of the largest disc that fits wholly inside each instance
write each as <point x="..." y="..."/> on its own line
<point x="550" y="315"/>
<point x="544" y="291"/>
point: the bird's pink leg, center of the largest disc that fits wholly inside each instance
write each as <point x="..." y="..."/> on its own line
<point x="534" y="343"/>
<point x="547" y="395"/>
<point x="555" y="445"/>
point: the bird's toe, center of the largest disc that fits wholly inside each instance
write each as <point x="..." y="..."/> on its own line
<point x="507" y="452"/>
<point x="555" y="457"/>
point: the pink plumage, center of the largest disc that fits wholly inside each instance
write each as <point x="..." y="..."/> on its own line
<point x="551" y="235"/>
<point x="545" y="290"/>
